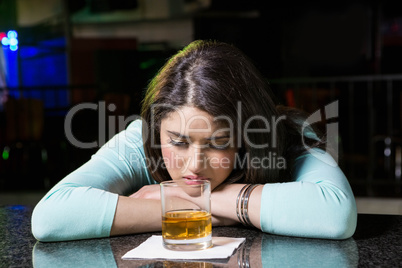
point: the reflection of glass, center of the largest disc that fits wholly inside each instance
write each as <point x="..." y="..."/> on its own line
<point x="172" y="264"/>
<point x="84" y="253"/>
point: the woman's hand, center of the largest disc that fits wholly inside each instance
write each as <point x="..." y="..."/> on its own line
<point x="152" y="191"/>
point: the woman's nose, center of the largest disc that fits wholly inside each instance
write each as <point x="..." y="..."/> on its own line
<point x="196" y="159"/>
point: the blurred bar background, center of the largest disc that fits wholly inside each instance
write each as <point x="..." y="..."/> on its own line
<point x="57" y="54"/>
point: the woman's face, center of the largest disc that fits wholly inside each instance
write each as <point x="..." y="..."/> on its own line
<point x="194" y="146"/>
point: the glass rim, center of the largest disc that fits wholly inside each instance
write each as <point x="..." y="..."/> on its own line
<point x="181" y="183"/>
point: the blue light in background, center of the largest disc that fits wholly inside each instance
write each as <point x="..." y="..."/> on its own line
<point x="43" y="64"/>
<point x="12" y="75"/>
<point x="12" y="34"/>
<point x="5" y="41"/>
<point x="10" y="40"/>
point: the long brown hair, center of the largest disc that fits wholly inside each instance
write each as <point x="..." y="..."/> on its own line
<point x="215" y="77"/>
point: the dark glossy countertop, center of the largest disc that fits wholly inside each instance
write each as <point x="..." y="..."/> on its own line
<point x="376" y="243"/>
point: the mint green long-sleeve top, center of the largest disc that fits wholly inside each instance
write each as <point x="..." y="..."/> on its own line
<point x="317" y="203"/>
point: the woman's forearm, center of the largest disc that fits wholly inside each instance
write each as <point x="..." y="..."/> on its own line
<point x="224" y="203"/>
<point x="71" y="212"/>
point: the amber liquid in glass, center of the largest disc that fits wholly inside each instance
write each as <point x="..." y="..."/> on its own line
<point x="186" y="225"/>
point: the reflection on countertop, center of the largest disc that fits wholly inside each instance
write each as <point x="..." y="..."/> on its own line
<point x="377" y="242"/>
<point x="260" y="250"/>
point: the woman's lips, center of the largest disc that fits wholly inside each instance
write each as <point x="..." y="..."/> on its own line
<point x="195" y="180"/>
<point x="192" y="177"/>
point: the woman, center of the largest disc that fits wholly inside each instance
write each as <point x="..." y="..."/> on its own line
<point x="207" y="114"/>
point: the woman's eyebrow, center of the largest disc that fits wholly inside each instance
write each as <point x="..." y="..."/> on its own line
<point x="219" y="137"/>
<point x="177" y="134"/>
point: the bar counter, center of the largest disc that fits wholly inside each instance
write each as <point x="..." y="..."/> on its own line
<point x="377" y="242"/>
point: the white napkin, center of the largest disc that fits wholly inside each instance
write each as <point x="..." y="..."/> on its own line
<point x="152" y="248"/>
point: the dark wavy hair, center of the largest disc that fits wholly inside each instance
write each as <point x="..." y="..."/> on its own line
<point x="214" y="77"/>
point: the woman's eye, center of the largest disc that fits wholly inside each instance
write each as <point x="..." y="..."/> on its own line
<point x="209" y="145"/>
<point x="178" y="143"/>
<point x="219" y="146"/>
